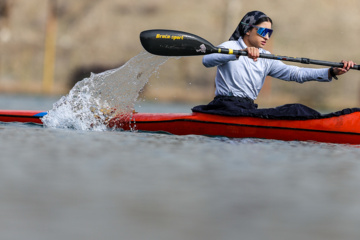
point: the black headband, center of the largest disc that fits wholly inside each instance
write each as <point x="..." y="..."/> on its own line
<point x="250" y="18"/>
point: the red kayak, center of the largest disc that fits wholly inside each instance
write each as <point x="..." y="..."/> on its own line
<point x="339" y="129"/>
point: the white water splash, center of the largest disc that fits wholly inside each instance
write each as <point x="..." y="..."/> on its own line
<point x="95" y="100"/>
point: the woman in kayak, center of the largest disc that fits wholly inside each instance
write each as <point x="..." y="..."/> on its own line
<point x="240" y="79"/>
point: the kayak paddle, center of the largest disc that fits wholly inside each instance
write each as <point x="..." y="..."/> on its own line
<point x="177" y="43"/>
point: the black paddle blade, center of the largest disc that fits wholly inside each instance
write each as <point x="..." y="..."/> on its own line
<point x="174" y="43"/>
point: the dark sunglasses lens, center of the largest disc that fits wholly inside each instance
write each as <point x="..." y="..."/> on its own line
<point x="263" y="31"/>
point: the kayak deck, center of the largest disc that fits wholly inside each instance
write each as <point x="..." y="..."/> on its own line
<point x="340" y="129"/>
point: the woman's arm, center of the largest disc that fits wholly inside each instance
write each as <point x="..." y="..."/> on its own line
<point x="216" y="59"/>
<point x="286" y="72"/>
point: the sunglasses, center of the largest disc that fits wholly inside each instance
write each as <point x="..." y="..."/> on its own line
<point x="261" y="30"/>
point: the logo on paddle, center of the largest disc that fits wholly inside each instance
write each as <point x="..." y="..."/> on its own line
<point x="202" y="48"/>
<point x="170" y="37"/>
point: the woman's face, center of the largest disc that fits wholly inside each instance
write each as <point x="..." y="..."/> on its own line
<point x="254" y="39"/>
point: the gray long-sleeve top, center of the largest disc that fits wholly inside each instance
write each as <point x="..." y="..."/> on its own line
<point x="244" y="77"/>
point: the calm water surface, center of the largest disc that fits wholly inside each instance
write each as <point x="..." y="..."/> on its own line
<point x="67" y="184"/>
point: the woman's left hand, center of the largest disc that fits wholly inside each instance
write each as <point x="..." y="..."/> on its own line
<point x="345" y="68"/>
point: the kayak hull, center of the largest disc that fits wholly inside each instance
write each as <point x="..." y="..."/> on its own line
<point x="341" y="129"/>
<point x="25" y="116"/>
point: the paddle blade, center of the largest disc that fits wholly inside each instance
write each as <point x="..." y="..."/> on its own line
<point x="174" y="43"/>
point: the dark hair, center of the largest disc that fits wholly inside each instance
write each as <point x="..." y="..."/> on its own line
<point x="259" y="21"/>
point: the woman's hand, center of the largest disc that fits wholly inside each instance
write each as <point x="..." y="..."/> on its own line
<point x="345" y="68"/>
<point x="253" y="53"/>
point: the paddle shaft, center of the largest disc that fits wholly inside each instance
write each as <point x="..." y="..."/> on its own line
<point x="288" y="59"/>
<point x="176" y="43"/>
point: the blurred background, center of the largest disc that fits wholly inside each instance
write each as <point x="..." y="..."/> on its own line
<point x="48" y="45"/>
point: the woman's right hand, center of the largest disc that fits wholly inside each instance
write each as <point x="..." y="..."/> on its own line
<point x="253" y="53"/>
